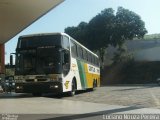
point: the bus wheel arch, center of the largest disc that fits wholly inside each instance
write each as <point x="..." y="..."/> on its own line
<point x="75" y="81"/>
<point x="73" y="87"/>
<point x="94" y="83"/>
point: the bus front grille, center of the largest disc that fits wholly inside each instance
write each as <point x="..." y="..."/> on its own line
<point x="36" y="80"/>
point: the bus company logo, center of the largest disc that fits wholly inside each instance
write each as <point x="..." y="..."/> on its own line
<point x="66" y="84"/>
<point x="91" y="69"/>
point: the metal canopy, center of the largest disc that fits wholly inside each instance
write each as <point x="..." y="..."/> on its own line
<point x="16" y="15"/>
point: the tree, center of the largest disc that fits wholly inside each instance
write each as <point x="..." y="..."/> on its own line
<point x="100" y="28"/>
<point x="79" y="32"/>
<point x="108" y="28"/>
<point x="128" y="25"/>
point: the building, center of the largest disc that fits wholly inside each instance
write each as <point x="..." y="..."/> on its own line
<point x="142" y="50"/>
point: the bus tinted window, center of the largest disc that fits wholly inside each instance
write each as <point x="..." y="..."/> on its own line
<point x="89" y="57"/>
<point x="80" y="52"/>
<point x="66" y="42"/>
<point x="96" y="61"/>
<point x="92" y="59"/>
<point x="85" y="54"/>
<point x="73" y="49"/>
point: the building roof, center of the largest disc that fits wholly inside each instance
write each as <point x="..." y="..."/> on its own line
<point x="16" y="15"/>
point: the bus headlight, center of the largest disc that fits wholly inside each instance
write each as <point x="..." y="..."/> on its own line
<point x="19" y="87"/>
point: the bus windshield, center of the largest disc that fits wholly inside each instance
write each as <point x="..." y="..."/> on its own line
<point x="39" y="55"/>
<point x="40" y="61"/>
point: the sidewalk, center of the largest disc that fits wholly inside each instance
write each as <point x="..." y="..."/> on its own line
<point x="48" y="108"/>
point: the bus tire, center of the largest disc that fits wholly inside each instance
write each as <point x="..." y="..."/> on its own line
<point x="94" y="85"/>
<point x="37" y="94"/>
<point x="73" y="89"/>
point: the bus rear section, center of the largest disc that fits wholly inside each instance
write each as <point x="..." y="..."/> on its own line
<point x="85" y="66"/>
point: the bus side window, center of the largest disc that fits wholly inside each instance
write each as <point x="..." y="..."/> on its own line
<point x="85" y="54"/>
<point x="80" y="52"/>
<point x="89" y="58"/>
<point x="74" y="49"/>
<point x="66" y="42"/>
<point x="94" y="60"/>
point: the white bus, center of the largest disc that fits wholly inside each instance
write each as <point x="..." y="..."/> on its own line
<point x="54" y="63"/>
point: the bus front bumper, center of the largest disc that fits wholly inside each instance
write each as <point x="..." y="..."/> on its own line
<point x="39" y="87"/>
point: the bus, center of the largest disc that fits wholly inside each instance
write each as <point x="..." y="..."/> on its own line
<point x="54" y="63"/>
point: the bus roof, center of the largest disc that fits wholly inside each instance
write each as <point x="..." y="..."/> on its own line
<point x="59" y="33"/>
<point x="40" y="34"/>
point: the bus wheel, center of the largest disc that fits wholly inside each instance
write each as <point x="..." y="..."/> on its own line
<point x="94" y="85"/>
<point x="37" y="94"/>
<point x="73" y="90"/>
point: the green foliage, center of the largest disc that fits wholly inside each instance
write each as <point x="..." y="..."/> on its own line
<point x="128" y="26"/>
<point x="108" y="28"/>
<point x="122" y="55"/>
<point x="100" y="29"/>
<point x="79" y="33"/>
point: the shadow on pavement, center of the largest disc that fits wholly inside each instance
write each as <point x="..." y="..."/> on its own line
<point x="58" y="96"/>
<point x="135" y="87"/>
<point x="13" y="95"/>
<point x="93" y="114"/>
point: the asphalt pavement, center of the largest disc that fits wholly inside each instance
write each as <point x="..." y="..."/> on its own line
<point x="51" y="107"/>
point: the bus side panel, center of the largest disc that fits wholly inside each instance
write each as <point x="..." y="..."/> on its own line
<point x="82" y="74"/>
<point x="92" y="73"/>
<point x="89" y="77"/>
<point x="74" y="72"/>
<point x="88" y="73"/>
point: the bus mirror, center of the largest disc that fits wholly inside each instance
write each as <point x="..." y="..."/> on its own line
<point x="66" y="57"/>
<point x="11" y="60"/>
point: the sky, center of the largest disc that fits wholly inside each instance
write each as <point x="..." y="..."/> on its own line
<point x="72" y="12"/>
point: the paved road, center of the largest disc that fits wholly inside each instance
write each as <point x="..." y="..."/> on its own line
<point x="140" y="96"/>
<point x="85" y="105"/>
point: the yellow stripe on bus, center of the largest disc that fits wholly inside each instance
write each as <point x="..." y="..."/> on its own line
<point x="90" y="77"/>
